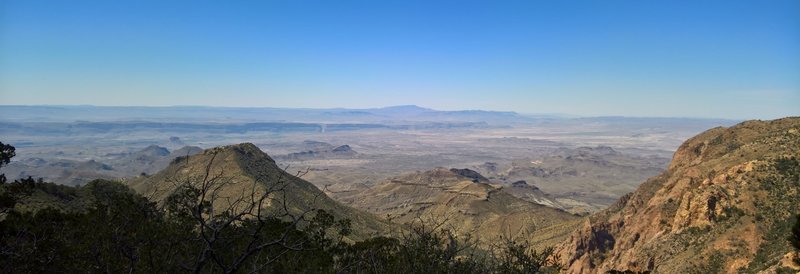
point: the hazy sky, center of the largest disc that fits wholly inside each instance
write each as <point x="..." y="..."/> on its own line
<point x="727" y="59"/>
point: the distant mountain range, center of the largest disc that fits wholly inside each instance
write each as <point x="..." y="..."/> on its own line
<point x="115" y="166"/>
<point x="406" y="114"/>
<point x="387" y="115"/>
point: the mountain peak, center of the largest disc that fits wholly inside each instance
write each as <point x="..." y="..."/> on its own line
<point x="402" y="110"/>
<point x="242" y="168"/>
<point x="243" y="151"/>
<point x="405" y="107"/>
<point x="242" y="148"/>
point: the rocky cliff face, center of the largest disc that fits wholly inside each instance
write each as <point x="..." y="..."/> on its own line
<point x="724" y="205"/>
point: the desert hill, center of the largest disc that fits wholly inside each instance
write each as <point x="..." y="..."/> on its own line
<point x="113" y="166"/>
<point x="725" y="204"/>
<point x="521" y="189"/>
<point x="150" y="159"/>
<point x="242" y="169"/>
<point x="323" y="151"/>
<point x="62" y="171"/>
<point x="465" y="201"/>
<point x="582" y="179"/>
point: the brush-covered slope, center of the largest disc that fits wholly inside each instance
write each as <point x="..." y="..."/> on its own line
<point x="465" y="201"/>
<point x="725" y="205"/>
<point x="239" y="170"/>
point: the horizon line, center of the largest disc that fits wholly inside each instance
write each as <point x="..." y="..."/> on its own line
<point x="561" y="115"/>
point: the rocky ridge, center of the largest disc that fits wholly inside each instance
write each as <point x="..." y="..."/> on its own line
<point x="725" y="204"/>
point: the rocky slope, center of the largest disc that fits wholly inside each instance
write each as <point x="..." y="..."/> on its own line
<point x="521" y="189"/>
<point x="238" y="170"/>
<point x="725" y="205"/>
<point x="464" y="201"/>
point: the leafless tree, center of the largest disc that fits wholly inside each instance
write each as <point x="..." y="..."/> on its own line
<point x="207" y="200"/>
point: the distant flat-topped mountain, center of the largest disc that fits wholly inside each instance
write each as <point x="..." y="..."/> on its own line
<point x="465" y="201"/>
<point x="404" y="110"/>
<point x="726" y="204"/>
<point x="244" y="168"/>
<point x="321" y="150"/>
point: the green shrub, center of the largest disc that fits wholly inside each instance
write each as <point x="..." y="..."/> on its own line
<point x="120" y="231"/>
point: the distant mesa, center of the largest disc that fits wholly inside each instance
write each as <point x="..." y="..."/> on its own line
<point x="152" y="151"/>
<point x="405" y="109"/>
<point x="316" y="145"/>
<point x="176" y="140"/>
<point x="357" y="113"/>
<point x="342" y="149"/>
<point x="322" y="150"/>
<point x="94" y="165"/>
<point x="584" y="152"/>
<point x="601" y="150"/>
<point x="155" y="157"/>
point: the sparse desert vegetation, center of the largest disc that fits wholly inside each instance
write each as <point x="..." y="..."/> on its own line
<point x="233" y="208"/>
<point x="408" y="137"/>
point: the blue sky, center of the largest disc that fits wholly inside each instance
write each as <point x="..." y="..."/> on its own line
<point x="724" y="59"/>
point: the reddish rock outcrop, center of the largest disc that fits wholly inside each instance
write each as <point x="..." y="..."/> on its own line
<point x="722" y="206"/>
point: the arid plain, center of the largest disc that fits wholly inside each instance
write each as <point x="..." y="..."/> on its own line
<point x="577" y="164"/>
